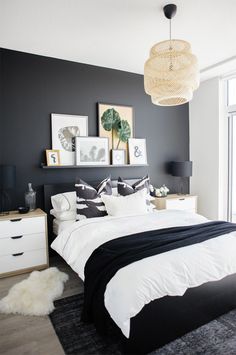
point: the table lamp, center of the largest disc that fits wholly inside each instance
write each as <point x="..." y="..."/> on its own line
<point x="181" y="169"/>
<point x="7" y="183"/>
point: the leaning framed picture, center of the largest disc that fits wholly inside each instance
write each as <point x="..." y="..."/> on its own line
<point x="92" y="151"/>
<point x="137" y="151"/>
<point x="64" y="129"/>
<point x="118" y="156"/>
<point x="53" y="157"/>
<point x="116" y="122"/>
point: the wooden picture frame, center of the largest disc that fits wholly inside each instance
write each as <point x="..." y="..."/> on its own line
<point x="53" y="157"/>
<point x="126" y="113"/>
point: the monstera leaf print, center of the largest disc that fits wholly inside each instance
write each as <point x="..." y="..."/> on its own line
<point x="66" y="134"/>
<point x="123" y="132"/>
<point x="110" y="119"/>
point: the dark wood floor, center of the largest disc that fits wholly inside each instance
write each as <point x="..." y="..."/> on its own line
<point x="28" y="335"/>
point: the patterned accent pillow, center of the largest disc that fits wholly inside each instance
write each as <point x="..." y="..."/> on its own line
<point x="125" y="189"/>
<point x="88" y="201"/>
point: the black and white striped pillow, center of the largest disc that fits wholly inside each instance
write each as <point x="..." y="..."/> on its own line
<point x="88" y="199"/>
<point x="125" y="189"/>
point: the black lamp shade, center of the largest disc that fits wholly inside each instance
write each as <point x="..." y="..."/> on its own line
<point x="181" y="168"/>
<point x="7" y="177"/>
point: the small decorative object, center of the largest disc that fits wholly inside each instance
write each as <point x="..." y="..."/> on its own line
<point x="92" y="151"/>
<point x="162" y="191"/>
<point x="118" y="156"/>
<point x="53" y="157"/>
<point x="116" y="123"/>
<point x="171" y="73"/>
<point x="23" y="209"/>
<point x="137" y="151"/>
<point x="30" y="198"/>
<point x="183" y="170"/>
<point x="64" y="128"/>
<point x="7" y="184"/>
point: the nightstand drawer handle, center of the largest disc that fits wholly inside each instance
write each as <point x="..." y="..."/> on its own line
<point x="18" y="254"/>
<point x="17" y="237"/>
<point x="181" y="199"/>
<point x="16" y="220"/>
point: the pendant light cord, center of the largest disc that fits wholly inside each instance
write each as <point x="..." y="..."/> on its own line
<point x="170" y="36"/>
<point x="170" y="48"/>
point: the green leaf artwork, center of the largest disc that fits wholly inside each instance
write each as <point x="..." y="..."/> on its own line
<point x="123" y="132"/>
<point x="110" y="119"/>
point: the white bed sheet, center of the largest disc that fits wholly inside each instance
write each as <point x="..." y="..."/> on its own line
<point x="170" y="273"/>
<point x="59" y="226"/>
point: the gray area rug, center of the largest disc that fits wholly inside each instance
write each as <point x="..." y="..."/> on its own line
<point x="217" y="337"/>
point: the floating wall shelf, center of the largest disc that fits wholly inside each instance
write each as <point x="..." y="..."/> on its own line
<point x="91" y="166"/>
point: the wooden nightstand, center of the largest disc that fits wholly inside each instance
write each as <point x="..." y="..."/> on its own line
<point x="23" y="242"/>
<point x="176" y="202"/>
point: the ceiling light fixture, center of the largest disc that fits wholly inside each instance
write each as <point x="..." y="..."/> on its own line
<point x="171" y="73"/>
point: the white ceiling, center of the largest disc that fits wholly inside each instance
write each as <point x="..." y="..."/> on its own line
<point x="117" y="33"/>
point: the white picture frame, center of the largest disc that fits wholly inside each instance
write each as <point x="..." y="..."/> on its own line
<point x="92" y="151"/>
<point x="118" y="156"/>
<point x="64" y="128"/>
<point x="137" y="151"/>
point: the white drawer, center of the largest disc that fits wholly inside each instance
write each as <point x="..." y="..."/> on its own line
<point x="28" y="259"/>
<point x="182" y="203"/>
<point x="22" y="243"/>
<point x="22" y="226"/>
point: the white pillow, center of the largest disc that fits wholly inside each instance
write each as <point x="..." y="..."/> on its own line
<point x="64" y="202"/>
<point x="115" y="191"/>
<point x="126" y="205"/>
<point x="64" y="215"/>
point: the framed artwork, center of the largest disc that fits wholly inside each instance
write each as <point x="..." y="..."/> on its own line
<point x="137" y="151"/>
<point x="109" y="118"/>
<point x="64" y="129"/>
<point x="92" y="151"/>
<point x="53" y="157"/>
<point x="118" y="156"/>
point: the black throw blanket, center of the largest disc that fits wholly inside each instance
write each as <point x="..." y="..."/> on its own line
<point x="111" y="256"/>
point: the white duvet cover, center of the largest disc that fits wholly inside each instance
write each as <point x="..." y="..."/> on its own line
<point x="137" y="284"/>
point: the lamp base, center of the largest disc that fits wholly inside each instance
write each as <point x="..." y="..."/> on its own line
<point x="182" y="186"/>
<point x="5" y="203"/>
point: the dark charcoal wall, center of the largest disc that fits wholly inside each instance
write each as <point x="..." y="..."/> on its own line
<point x="1" y="108"/>
<point x="35" y="86"/>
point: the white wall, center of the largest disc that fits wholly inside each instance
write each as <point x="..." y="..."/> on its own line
<point x="208" y="149"/>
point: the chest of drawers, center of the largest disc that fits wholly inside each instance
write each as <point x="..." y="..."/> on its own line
<point x="23" y="242"/>
<point x="177" y="202"/>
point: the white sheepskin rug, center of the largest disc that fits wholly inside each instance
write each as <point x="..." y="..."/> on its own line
<point x="34" y="296"/>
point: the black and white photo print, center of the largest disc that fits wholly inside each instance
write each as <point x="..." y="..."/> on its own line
<point x="92" y="151"/>
<point x="64" y="129"/>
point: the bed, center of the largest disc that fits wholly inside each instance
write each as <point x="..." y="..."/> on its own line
<point x="58" y="226"/>
<point x="159" y="315"/>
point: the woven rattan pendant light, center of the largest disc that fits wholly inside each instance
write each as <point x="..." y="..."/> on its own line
<point x="171" y="72"/>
